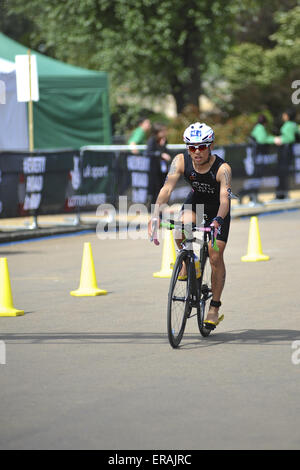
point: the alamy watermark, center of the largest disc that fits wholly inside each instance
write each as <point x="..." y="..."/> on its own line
<point x="130" y="221"/>
<point x="2" y="353"/>
<point x="296" y="95"/>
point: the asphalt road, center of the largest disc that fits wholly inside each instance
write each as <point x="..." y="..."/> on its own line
<point x="98" y="373"/>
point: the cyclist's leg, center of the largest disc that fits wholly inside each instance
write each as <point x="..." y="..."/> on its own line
<point x="187" y="216"/>
<point x="192" y="211"/>
<point x="218" y="274"/>
<point x="218" y="269"/>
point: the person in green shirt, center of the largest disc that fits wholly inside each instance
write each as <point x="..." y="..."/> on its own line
<point x="289" y="129"/>
<point x="260" y="133"/>
<point x="139" y="134"/>
<point x="261" y="137"/>
<point x="288" y="136"/>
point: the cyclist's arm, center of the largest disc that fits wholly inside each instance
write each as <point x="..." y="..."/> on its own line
<point x="224" y="177"/>
<point x="175" y="171"/>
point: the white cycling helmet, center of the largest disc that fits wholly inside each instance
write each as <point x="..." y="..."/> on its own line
<point x="198" y="133"/>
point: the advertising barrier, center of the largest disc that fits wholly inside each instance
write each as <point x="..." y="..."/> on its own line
<point x="34" y="183"/>
<point x="133" y="175"/>
<point x="92" y="181"/>
<point x="74" y="181"/>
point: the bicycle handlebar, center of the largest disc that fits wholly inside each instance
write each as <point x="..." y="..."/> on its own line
<point x="172" y="225"/>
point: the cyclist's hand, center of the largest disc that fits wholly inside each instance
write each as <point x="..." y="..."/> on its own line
<point x="216" y="226"/>
<point x="153" y="225"/>
<point x="217" y="222"/>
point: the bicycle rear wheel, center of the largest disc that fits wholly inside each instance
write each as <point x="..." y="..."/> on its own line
<point x="206" y="293"/>
<point x="178" y="303"/>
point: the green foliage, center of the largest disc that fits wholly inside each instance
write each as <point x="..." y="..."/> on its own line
<point x="258" y="77"/>
<point x="244" y="55"/>
<point x="126" y="117"/>
<point x="177" y="125"/>
<point x="234" y="130"/>
<point x="149" y="47"/>
<point x="13" y="25"/>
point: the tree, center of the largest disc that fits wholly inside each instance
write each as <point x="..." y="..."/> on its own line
<point x="258" y="77"/>
<point x="13" y="25"/>
<point x="149" y="47"/>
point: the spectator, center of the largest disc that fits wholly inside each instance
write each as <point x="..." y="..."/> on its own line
<point x="261" y="138"/>
<point x="157" y="150"/>
<point x="288" y="136"/>
<point x="139" y="134"/>
<point x="289" y="129"/>
<point x="260" y="133"/>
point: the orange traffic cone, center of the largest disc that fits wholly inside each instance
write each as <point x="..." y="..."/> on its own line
<point x="6" y="302"/>
<point x="254" y="244"/>
<point x="168" y="256"/>
<point x="88" y="284"/>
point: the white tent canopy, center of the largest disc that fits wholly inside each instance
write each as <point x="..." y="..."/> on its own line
<point x="13" y="115"/>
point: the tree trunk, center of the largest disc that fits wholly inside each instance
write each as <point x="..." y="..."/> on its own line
<point x="187" y="93"/>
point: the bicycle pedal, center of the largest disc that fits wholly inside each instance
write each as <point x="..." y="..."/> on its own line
<point x="209" y="326"/>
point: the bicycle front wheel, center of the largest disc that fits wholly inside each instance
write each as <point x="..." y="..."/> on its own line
<point x="178" y="302"/>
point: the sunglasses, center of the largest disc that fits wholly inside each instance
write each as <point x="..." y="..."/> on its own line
<point x="193" y="148"/>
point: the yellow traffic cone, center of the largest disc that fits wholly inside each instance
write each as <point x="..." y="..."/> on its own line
<point x="6" y="302"/>
<point x="168" y="256"/>
<point x="88" y="283"/>
<point x="254" y="244"/>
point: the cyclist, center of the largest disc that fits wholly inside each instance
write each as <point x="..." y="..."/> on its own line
<point x="210" y="179"/>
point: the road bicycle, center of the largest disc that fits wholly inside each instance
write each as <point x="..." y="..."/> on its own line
<point x="192" y="292"/>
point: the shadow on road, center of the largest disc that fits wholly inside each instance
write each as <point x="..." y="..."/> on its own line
<point x="255" y="337"/>
<point x="4" y="254"/>
<point x="261" y="337"/>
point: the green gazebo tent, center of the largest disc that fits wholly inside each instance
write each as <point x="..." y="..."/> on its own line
<point x="73" y="109"/>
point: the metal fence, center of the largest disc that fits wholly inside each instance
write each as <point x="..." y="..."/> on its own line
<point x="75" y="181"/>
